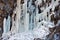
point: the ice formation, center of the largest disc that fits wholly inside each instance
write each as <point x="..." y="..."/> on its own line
<point x="27" y="25"/>
<point x="38" y="32"/>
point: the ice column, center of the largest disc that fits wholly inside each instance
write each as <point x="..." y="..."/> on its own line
<point x="18" y="10"/>
<point x="4" y="25"/>
<point x="8" y="24"/>
<point x="32" y="13"/>
<point x="26" y="18"/>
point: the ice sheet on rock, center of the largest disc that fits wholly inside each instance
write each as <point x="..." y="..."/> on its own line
<point x="47" y="24"/>
<point x="50" y="24"/>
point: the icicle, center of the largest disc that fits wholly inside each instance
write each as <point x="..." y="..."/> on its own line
<point x="8" y="24"/>
<point x="26" y="16"/>
<point x="4" y="25"/>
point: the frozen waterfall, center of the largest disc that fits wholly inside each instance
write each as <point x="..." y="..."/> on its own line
<point x="29" y="23"/>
